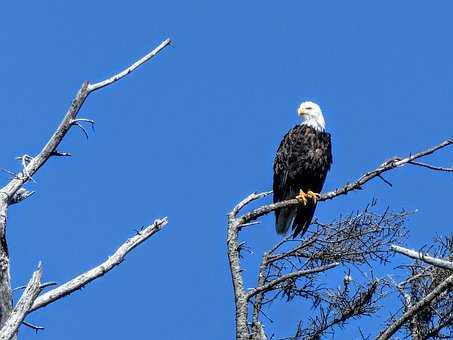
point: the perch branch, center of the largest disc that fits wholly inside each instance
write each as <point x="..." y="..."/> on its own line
<point x="23" y="306"/>
<point x="423" y="257"/>
<point x="390" y="164"/>
<point x="96" y="272"/>
<point x="410" y="313"/>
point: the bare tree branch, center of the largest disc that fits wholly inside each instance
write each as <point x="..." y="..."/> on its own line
<point x="23" y="306"/>
<point x="410" y="313"/>
<point x="294" y="275"/>
<point x="432" y="167"/>
<point x="36" y="328"/>
<point x="423" y="257"/>
<point x="13" y="192"/>
<point x="236" y="276"/>
<point x="130" y="69"/>
<point x="355" y="240"/>
<point x="388" y="165"/>
<point x="5" y="278"/>
<point x="68" y="121"/>
<point x="98" y="271"/>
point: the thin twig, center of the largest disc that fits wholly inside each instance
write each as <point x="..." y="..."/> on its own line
<point x="432" y="167"/>
<point x="130" y="69"/>
<point x="36" y="328"/>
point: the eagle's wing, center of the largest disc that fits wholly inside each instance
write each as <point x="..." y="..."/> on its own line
<point x="301" y="163"/>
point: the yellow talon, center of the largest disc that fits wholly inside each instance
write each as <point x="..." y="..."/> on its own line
<point x="313" y="195"/>
<point x="302" y="197"/>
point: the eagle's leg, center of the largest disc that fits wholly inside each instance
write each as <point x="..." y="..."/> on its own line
<point x="302" y="197"/>
<point x="313" y="195"/>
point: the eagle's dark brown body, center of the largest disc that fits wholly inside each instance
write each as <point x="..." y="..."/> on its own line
<point x="301" y="163"/>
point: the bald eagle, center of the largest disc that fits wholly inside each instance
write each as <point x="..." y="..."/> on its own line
<point x="300" y="168"/>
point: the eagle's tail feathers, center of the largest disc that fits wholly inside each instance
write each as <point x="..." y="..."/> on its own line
<point x="285" y="219"/>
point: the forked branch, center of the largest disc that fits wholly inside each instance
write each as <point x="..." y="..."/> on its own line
<point x="354" y="243"/>
<point x="23" y="306"/>
<point x="13" y="192"/>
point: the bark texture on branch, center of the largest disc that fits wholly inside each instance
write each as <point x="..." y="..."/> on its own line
<point x="441" y="263"/>
<point x="98" y="271"/>
<point x="5" y="278"/>
<point x="23" y="306"/>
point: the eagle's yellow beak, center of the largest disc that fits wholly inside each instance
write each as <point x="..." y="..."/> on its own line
<point x="301" y="111"/>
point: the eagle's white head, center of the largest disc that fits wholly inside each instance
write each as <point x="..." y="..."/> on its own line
<point x="312" y="115"/>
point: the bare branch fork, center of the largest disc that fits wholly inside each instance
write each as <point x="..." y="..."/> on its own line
<point x="13" y="192"/>
<point x="236" y="222"/>
<point x="23" y="306"/>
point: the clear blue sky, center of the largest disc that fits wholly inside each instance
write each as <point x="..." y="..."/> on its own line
<point x="196" y="130"/>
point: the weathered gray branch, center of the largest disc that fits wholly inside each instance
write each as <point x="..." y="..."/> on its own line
<point x="388" y="165"/>
<point x="68" y="121"/>
<point x="23" y="306"/>
<point x="13" y="192"/>
<point x="410" y="313"/>
<point x="236" y="276"/>
<point x="236" y="223"/>
<point x="423" y="257"/>
<point x="130" y="69"/>
<point x="98" y="271"/>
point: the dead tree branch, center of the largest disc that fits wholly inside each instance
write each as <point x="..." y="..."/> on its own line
<point x="395" y="326"/>
<point x="13" y="192"/>
<point x="68" y="121"/>
<point x="355" y="240"/>
<point x="98" y="271"/>
<point x="393" y="163"/>
<point x="23" y="306"/>
<point x="424" y="319"/>
<point x="423" y="257"/>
